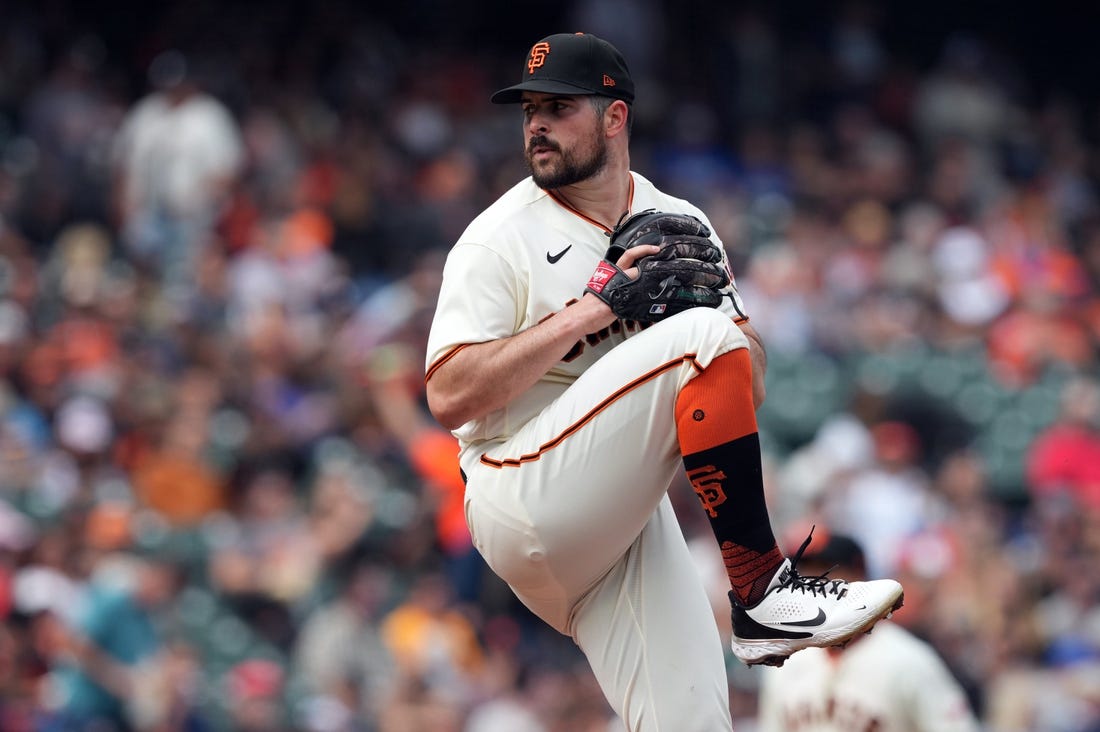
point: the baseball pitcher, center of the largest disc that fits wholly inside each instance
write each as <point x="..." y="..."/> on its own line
<point x="589" y="342"/>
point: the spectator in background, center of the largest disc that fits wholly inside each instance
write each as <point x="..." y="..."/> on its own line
<point x="69" y="121"/>
<point x="1048" y="288"/>
<point x="254" y="689"/>
<point x="886" y="500"/>
<point x="841" y="448"/>
<point x="438" y="655"/>
<point x="116" y="639"/>
<point x="340" y="654"/>
<point x="18" y="700"/>
<point x="269" y="559"/>
<point x="343" y="492"/>
<point x="165" y="697"/>
<point x="20" y="668"/>
<point x="885" y="681"/>
<point x="964" y="591"/>
<point x="962" y="114"/>
<point x="505" y="706"/>
<point x="1064" y="460"/>
<point x="969" y="293"/>
<point x="1050" y="684"/>
<point x="178" y="454"/>
<point x="176" y="157"/>
<point x="394" y="385"/>
<point x="782" y="284"/>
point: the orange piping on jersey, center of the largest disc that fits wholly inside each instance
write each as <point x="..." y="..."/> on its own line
<point x="442" y="360"/>
<point x="644" y="378"/>
<point x="565" y="204"/>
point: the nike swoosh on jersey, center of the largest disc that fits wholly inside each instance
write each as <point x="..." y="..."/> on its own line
<point x="553" y="258"/>
<point x="808" y="623"/>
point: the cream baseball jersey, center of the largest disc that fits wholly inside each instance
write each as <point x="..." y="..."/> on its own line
<point x="889" y="681"/>
<point x="524" y="258"/>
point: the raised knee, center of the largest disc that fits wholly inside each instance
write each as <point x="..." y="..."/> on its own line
<point x="715" y="327"/>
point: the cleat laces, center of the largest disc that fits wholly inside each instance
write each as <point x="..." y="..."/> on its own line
<point x="792" y="580"/>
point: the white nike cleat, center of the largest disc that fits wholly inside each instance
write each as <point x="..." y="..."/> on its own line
<point x="801" y="612"/>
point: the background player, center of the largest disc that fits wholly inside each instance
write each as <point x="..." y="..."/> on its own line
<point x="888" y="681"/>
<point x="572" y="422"/>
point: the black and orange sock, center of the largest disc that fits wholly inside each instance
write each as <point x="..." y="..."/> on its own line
<point x="716" y="425"/>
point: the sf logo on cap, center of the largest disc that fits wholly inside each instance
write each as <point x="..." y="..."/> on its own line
<point x="538" y="56"/>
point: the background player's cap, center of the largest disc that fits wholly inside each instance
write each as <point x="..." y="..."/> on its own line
<point x="828" y="548"/>
<point x="572" y="63"/>
<point x="837" y="549"/>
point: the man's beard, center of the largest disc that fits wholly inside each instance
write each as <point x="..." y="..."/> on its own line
<point x="570" y="168"/>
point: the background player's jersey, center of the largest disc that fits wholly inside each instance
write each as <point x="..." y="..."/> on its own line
<point x="889" y="681"/>
<point x="524" y="258"/>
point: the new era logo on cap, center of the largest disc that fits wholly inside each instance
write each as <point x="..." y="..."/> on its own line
<point x="572" y="63"/>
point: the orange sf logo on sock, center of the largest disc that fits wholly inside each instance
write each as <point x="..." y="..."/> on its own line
<point x="707" y="482"/>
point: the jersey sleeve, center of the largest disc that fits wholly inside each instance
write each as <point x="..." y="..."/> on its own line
<point x="477" y="301"/>
<point x="936" y="701"/>
<point x="769" y="708"/>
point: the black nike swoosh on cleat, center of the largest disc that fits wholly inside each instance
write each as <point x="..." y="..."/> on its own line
<point x="745" y="628"/>
<point x="553" y="258"/>
<point x="812" y="622"/>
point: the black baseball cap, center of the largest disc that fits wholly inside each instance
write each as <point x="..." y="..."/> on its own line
<point x="572" y="63"/>
<point x="829" y="549"/>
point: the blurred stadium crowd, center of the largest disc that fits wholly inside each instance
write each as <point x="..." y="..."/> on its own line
<point x="222" y="502"/>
